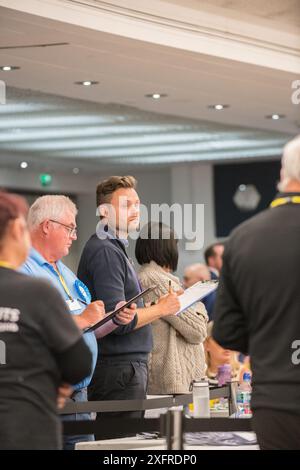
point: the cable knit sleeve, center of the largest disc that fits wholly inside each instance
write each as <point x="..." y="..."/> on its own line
<point x="191" y="323"/>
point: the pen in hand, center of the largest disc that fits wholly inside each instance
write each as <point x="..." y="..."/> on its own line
<point x="170" y="287"/>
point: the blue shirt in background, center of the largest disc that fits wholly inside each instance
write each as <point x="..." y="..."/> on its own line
<point x="37" y="266"/>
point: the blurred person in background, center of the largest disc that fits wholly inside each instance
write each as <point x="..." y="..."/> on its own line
<point x="195" y="273"/>
<point x="217" y="356"/>
<point x="214" y="259"/>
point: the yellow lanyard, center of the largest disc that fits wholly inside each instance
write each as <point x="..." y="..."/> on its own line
<point x="4" y="264"/>
<point x="63" y="283"/>
<point x="281" y="201"/>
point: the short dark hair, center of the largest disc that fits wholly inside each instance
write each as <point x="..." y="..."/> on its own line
<point x="12" y="206"/>
<point x="107" y="187"/>
<point x="210" y="251"/>
<point x="163" y="251"/>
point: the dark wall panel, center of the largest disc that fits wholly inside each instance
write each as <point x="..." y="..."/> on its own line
<point x="227" y="178"/>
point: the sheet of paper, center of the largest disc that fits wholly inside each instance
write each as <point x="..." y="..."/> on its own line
<point x="195" y="293"/>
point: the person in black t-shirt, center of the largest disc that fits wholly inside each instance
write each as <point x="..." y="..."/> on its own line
<point x="258" y="306"/>
<point x="41" y="346"/>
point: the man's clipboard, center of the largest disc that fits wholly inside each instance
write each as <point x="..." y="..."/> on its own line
<point x="111" y="315"/>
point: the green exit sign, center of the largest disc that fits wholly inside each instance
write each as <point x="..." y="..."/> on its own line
<point x="45" y="179"/>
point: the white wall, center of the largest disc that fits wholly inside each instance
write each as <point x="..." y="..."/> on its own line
<point x="193" y="184"/>
<point x="153" y="187"/>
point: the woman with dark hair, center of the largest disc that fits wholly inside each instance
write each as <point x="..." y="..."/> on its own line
<point x="177" y="357"/>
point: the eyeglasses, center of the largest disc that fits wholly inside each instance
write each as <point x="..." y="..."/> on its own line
<point x="72" y="231"/>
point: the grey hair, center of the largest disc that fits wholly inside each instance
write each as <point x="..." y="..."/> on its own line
<point x="49" y="207"/>
<point x="290" y="163"/>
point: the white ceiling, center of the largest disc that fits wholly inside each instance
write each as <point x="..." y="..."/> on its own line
<point x="49" y="131"/>
<point x="285" y="13"/>
<point x="109" y="122"/>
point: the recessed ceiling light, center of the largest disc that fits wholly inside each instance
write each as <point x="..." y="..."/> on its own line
<point x="8" y="68"/>
<point x="75" y="171"/>
<point x="23" y="165"/>
<point x="156" y="96"/>
<point x="218" y="107"/>
<point x="87" y="83"/>
<point x="275" y="117"/>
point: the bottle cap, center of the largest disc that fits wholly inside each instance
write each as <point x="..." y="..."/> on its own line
<point x="247" y="377"/>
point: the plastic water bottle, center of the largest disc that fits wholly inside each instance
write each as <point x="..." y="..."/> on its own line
<point x="201" y="399"/>
<point x="243" y="397"/>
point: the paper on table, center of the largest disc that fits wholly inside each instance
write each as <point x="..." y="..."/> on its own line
<point x="195" y="293"/>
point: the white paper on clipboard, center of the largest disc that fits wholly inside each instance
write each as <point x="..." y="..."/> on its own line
<point x="196" y="293"/>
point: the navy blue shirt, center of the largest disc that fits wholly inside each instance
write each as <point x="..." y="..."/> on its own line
<point x="109" y="275"/>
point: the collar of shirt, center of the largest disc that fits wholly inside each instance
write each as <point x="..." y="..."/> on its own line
<point x="36" y="265"/>
<point x="40" y="260"/>
<point x="111" y="234"/>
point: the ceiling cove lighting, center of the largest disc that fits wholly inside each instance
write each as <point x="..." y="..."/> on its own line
<point x="87" y="83"/>
<point x="8" y="68"/>
<point x="156" y="96"/>
<point x="218" y="107"/>
<point x="275" y="116"/>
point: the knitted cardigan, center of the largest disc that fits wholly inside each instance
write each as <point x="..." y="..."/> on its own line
<point x="177" y="357"/>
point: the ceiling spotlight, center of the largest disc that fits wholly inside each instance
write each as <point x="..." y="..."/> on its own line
<point x="8" y="68"/>
<point x="275" y="117"/>
<point x="156" y="96"/>
<point x="218" y="107"/>
<point x="75" y="171"/>
<point x="23" y="165"/>
<point x="87" y="83"/>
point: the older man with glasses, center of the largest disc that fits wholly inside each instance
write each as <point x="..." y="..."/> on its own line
<point x="52" y="225"/>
